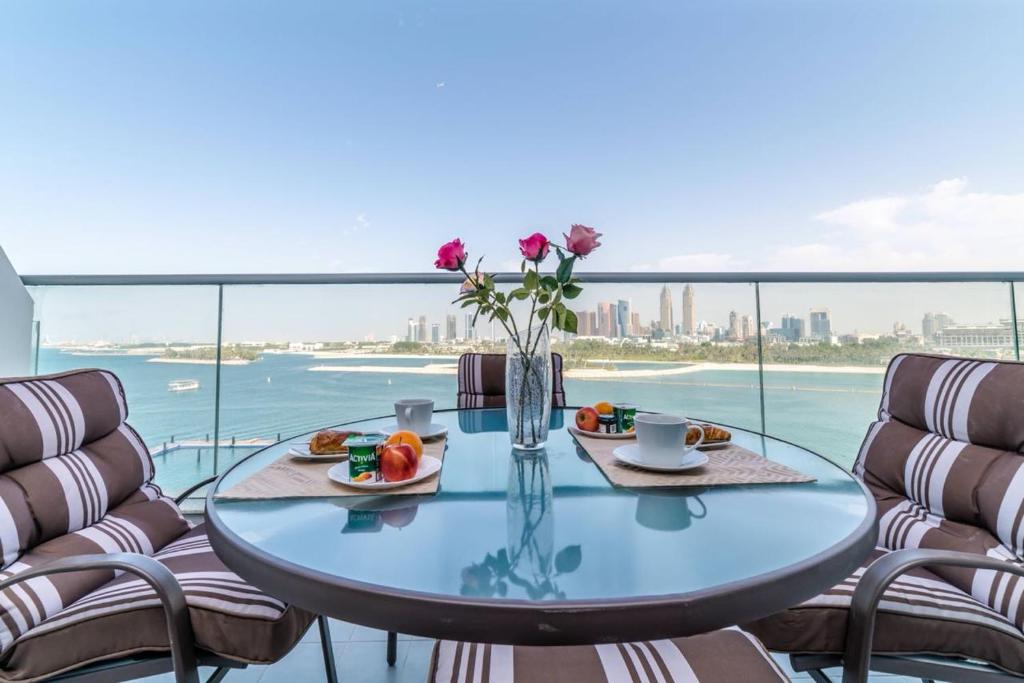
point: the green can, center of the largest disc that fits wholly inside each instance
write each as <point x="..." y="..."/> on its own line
<point x="625" y="416"/>
<point x="363" y="451"/>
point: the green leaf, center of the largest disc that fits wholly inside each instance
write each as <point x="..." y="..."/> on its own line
<point x="568" y="559"/>
<point x="544" y="298"/>
<point x="549" y="283"/>
<point x="569" y="324"/>
<point x="488" y="282"/>
<point x="571" y="291"/>
<point x="502" y="313"/>
<point x="520" y="294"/>
<point x="522" y="266"/>
<point x="531" y="280"/>
<point x="564" y="272"/>
<point x="499" y="297"/>
<point x="543" y="313"/>
<point x="467" y="304"/>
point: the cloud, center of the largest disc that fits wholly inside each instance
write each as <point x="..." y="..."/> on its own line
<point x="360" y="223"/>
<point x="944" y="227"/>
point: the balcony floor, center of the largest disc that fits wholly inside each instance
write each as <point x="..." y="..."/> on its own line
<point x="360" y="653"/>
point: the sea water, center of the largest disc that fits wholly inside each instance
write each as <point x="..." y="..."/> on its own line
<point x="279" y="396"/>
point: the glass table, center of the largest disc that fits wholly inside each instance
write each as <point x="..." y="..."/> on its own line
<point x="541" y="549"/>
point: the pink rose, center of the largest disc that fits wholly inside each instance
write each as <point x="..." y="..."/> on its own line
<point x="582" y="240"/>
<point x="535" y="247"/>
<point x="451" y="256"/>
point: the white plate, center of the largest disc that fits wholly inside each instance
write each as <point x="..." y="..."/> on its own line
<point x="601" y="435"/>
<point x="429" y="465"/>
<point x="301" y="452"/>
<point x="631" y="456"/>
<point x="434" y="431"/>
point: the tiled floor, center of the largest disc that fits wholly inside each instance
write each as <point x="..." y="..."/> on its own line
<point x="360" y="657"/>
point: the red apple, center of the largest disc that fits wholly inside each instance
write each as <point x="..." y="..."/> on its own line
<point x="586" y="419"/>
<point x="398" y="462"/>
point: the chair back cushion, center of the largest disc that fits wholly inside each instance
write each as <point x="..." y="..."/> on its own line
<point x="482" y="381"/>
<point x="944" y="462"/>
<point x="75" y="479"/>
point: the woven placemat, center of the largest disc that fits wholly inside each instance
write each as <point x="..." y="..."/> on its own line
<point x="731" y="465"/>
<point x="290" y="478"/>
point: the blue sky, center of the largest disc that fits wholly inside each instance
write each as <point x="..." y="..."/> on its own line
<point x="288" y="137"/>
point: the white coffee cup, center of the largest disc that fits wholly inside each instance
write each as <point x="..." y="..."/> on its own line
<point x="414" y="414"/>
<point x="661" y="439"/>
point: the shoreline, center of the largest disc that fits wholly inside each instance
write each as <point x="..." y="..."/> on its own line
<point x="199" y="361"/>
<point x="601" y="374"/>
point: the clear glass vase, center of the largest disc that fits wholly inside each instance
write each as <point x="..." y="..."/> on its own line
<point x="528" y="388"/>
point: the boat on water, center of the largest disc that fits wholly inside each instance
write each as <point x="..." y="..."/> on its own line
<point x="183" y="385"/>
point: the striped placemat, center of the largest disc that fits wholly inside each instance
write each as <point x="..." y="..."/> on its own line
<point x="290" y="478"/>
<point x="731" y="465"/>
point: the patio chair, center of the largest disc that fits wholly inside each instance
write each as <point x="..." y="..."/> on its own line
<point x="941" y="597"/>
<point x="103" y="578"/>
<point x="482" y="381"/>
<point x="727" y="656"/>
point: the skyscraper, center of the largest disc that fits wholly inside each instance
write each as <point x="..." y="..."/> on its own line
<point x="747" y="327"/>
<point x="735" y="332"/>
<point x="470" y="332"/>
<point x="410" y="334"/>
<point x="435" y="332"/>
<point x="933" y="323"/>
<point x="450" y="332"/>
<point x="606" y="319"/>
<point x="665" y="320"/>
<point x="634" y="324"/>
<point x="586" y="323"/>
<point x="792" y="328"/>
<point x="421" y="333"/>
<point x="689" y="312"/>
<point x="623" y="319"/>
<point x="821" y="324"/>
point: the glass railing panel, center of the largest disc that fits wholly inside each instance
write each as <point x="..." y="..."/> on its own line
<point x="1018" y="297"/>
<point x="826" y="347"/>
<point x="299" y="356"/>
<point x="160" y="341"/>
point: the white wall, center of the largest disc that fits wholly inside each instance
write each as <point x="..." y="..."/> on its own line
<point x="15" y="322"/>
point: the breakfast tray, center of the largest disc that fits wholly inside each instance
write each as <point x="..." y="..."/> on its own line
<point x="290" y="478"/>
<point x="731" y="465"/>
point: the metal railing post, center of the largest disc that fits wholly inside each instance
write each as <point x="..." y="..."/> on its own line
<point x="1013" y="320"/>
<point x="760" y="354"/>
<point x="216" y="384"/>
<point x="35" y="352"/>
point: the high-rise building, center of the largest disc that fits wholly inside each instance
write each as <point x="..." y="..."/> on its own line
<point x="586" y="323"/>
<point x="665" y="321"/>
<point x="449" y="323"/>
<point x="933" y="323"/>
<point x="689" y="312"/>
<point x="792" y="328"/>
<point x="606" y="325"/>
<point x="410" y="334"/>
<point x="470" y="332"/>
<point x="635" y="328"/>
<point x="748" y="328"/>
<point x="735" y="332"/>
<point x="421" y="330"/>
<point x="821" y="324"/>
<point x="435" y="333"/>
<point x="623" y="319"/>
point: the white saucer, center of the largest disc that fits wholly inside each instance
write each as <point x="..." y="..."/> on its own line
<point x="434" y="431"/>
<point x="301" y="452"/>
<point x="630" y="455"/>
<point x="601" y="435"/>
<point x="429" y="465"/>
<point x="714" y="445"/>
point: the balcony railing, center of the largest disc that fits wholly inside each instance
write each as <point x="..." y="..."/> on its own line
<point x="230" y="335"/>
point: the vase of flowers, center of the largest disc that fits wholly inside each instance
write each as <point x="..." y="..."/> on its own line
<point x="528" y="375"/>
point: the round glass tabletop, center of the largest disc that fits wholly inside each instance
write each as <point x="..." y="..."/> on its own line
<point x="528" y="545"/>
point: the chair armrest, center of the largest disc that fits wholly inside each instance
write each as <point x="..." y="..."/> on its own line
<point x="159" y="577"/>
<point x="195" y="487"/>
<point x="877" y="578"/>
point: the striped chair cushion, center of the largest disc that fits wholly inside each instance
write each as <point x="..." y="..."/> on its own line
<point x="725" y="656"/>
<point x="229" y="618"/>
<point x="47" y="416"/>
<point x="944" y="464"/>
<point x="482" y="381"/>
<point x="920" y="612"/>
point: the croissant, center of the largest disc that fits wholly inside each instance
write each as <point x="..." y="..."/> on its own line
<point x="328" y="441"/>
<point x="711" y="434"/>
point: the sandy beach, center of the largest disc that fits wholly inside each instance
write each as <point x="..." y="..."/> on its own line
<point x="602" y="374"/>
<point x="198" y="361"/>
